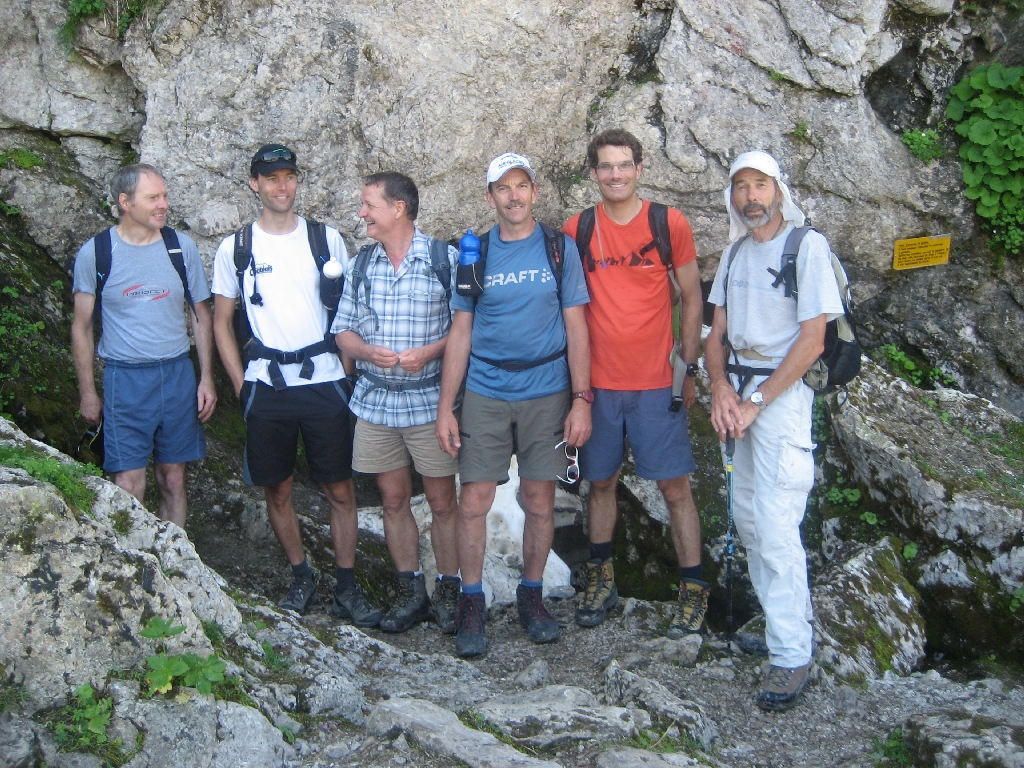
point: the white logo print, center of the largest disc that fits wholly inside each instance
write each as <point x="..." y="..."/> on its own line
<point x="546" y="275"/>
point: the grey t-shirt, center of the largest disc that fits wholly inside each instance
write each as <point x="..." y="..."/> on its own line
<point x="143" y="299"/>
<point x="762" y="317"/>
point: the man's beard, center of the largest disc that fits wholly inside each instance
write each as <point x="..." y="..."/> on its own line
<point x="750" y="216"/>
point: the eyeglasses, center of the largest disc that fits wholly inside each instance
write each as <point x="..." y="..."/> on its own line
<point x="572" y="472"/>
<point x="624" y="167"/>
<point x="93" y="441"/>
<point x="276" y="154"/>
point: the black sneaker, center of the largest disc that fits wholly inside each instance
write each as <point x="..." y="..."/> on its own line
<point x="534" y="615"/>
<point x="599" y="595"/>
<point x="411" y="606"/>
<point x="470" y="638"/>
<point x="302" y="593"/>
<point x="352" y="604"/>
<point x="444" y="603"/>
<point x="782" y="687"/>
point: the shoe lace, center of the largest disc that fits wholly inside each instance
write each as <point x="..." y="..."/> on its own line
<point x="356" y="602"/>
<point x="297" y="592"/>
<point x="470" y="617"/>
<point x="691" y="603"/>
<point x="593" y="581"/>
<point x="534" y="606"/>
<point x="779" y="676"/>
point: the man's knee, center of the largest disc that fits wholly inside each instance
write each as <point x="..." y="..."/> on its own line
<point x="605" y="486"/>
<point x="440" y="493"/>
<point x="278" y="495"/>
<point x="476" y="500"/>
<point x="676" y="490"/>
<point x="170" y="478"/>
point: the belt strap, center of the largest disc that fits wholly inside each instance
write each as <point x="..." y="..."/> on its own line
<point x="515" y="366"/>
<point x="257" y="350"/>
<point x="379" y="382"/>
<point x="752" y="355"/>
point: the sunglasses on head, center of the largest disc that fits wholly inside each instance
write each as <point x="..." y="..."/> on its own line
<point x="572" y="471"/>
<point x="274" y="155"/>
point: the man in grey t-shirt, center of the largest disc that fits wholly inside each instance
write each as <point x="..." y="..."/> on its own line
<point x="152" y="404"/>
<point x="762" y="342"/>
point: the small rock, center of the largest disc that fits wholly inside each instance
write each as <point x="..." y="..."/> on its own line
<point x="535" y="675"/>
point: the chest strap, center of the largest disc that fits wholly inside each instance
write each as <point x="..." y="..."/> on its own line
<point x="516" y="366"/>
<point x="257" y="350"/>
<point x="379" y="382"/>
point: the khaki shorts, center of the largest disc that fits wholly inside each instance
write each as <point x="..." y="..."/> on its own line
<point x="492" y="430"/>
<point x="382" y="449"/>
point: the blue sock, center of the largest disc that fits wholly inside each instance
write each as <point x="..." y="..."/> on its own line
<point x="302" y="570"/>
<point x="693" y="573"/>
<point x="473" y="589"/>
<point x="532" y="584"/>
<point x="600" y="552"/>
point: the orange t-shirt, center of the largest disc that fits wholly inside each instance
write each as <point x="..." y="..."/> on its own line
<point x="630" y="311"/>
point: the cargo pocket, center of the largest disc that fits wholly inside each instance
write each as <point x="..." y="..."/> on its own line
<point x="796" y="468"/>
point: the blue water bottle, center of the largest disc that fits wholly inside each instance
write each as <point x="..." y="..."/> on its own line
<point x="469" y="275"/>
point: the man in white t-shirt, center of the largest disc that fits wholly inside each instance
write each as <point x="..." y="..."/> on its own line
<point x="763" y="340"/>
<point x="292" y="379"/>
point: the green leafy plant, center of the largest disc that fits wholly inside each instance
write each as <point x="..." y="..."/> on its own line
<point x="869" y="517"/>
<point x="65" y="477"/>
<point x="1017" y="601"/>
<point x="81" y="726"/>
<point x="909" y="551"/>
<point x="924" y="144"/>
<point x="79" y="11"/>
<point x="987" y="108"/>
<point x="273" y="659"/>
<point x="24" y="159"/>
<point x="892" y="751"/>
<point x="838" y="495"/>
<point x="9" y="210"/>
<point x="189" y="669"/>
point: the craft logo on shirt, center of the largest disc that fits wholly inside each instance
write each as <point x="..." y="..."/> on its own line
<point x="517" y="278"/>
<point x="262" y="269"/>
<point x="146" y="292"/>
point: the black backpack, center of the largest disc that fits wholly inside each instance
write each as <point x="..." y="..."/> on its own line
<point x="440" y="265"/>
<point x="839" y="363"/>
<point x="104" y="257"/>
<point x="657" y="217"/>
<point x="252" y="348"/>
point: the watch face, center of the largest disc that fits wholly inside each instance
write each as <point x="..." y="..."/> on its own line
<point x="757" y="398"/>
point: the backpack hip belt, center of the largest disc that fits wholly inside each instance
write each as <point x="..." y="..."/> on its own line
<point x="379" y="382"/>
<point x="517" y="366"/>
<point x="257" y="350"/>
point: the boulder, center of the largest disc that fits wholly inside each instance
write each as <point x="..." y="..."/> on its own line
<point x="968" y="739"/>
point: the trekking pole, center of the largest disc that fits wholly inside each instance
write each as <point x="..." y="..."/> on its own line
<point x="730" y="449"/>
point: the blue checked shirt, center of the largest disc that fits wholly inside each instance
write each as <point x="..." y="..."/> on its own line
<point x="404" y="310"/>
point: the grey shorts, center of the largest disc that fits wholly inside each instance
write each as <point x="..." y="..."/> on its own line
<point x="382" y="449"/>
<point x="492" y="430"/>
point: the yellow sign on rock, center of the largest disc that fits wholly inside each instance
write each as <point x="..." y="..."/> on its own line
<point x="921" y="252"/>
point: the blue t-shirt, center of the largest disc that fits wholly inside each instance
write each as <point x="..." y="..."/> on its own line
<point x="518" y="317"/>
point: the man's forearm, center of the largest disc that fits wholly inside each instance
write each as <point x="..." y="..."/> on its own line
<point x="577" y="338"/>
<point x="203" y="332"/>
<point x="227" y="344"/>
<point x="692" y="313"/>
<point x="456" y="359"/>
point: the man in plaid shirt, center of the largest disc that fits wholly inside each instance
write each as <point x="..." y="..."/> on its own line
<point x="395" y="322"/>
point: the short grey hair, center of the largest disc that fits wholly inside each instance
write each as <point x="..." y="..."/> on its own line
<point x="126" y="180"/>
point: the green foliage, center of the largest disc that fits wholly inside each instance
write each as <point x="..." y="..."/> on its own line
<point x="121" y="522"/>
<point x="79" y="11"/>
<point x="81" y="726"/>
<point x="869" y="517"/>
<point x="924" y="144"/>
<point x="800" y="130"/>
<point x="1017" y="601"/>
<point x="478" y="722"/>
<point x="777" y="77"/>
<point x="189" y="669"/>
<point x="12" y="694"/>
<point x="909" y="551"/>
<point x="65" y="477"/>
<point x="892" y="751"/>
<point x="819" y="420"/>
<point x="987" y="108"/>
<point x="839" y="496"/>
<point x="20" y="341"/>
<point x="9" y="210"/>
<point x="158" y="629"/>
<point x="214" y="633"/>
<point x="274" y="660"/>
<point x="287" y="733"/>
<point x="901" y="365"/>
<point x="24" y="159"/>
<point x="124" y="11"/>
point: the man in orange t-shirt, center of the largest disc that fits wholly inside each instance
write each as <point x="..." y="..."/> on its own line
<point x="630" y="322"/>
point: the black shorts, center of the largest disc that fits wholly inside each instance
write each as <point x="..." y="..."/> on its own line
<point x="273" y="420"/>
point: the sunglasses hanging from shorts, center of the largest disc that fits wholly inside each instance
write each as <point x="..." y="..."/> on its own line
<point x="93" y="441"/>
<point x="572" y="472"/>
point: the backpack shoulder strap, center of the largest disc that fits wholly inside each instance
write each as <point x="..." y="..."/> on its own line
<point x="485" y="243"/>
<point x="786" y="275"/>
<point x="584" y="232"/>
<point x="728" y="264"/>
<point x="317" y="233"/>
<point x="554" y="244"/>
<point x="441" y="265"/>
<point x="657" y="219"/>
<point x="357" y="273"/>
<point x="178" y="262"/>
<point x="103" y="247"/>
<point x="243" y="252"/>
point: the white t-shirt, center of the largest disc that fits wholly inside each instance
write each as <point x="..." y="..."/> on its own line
<point x="762" y="317"/>
<point x="292" y="316"/>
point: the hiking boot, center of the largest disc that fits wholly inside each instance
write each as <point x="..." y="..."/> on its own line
<point x="410" y="607"/>
<point x="691" y="605"/>
<point x="352" y="604"/>
<point x="302" y="593"/>
<point x="782" y="687"/>
<point x="470" y="638"/>
<point x="444" y="604"/>
<point x="534" y="615"/>
<point x="599" y="595"/>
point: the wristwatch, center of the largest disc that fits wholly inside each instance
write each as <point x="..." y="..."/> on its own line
<point x="691" y="369"/>
<point x="757" y="398"/>
<point x="586" y="395"/>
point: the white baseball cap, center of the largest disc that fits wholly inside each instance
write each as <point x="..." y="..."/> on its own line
<point x="502" y="164"/>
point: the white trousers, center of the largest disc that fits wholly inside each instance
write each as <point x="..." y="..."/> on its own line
<point x="773" y="471"/>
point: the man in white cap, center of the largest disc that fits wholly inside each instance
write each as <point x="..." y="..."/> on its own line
<point x="764" y="337"/>
<point x="524" y="341"/>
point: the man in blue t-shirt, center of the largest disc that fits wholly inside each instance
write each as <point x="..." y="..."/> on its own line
<point x="524" y="341"/>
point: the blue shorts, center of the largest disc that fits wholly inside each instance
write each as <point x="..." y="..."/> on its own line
<point x="657" y="436"/>
<point x="150" y="408"/>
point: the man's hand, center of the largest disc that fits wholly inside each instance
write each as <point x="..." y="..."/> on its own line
<point x="689" y="391"/>
<point x="578" y="424"/>
<point x="382" y="357"/>
<point x="726" y="410"/>
<point x="206" y="396"/>
<point x="412" y="360"/>
<point x="447" y="431"/>
<point x="91" y="408"/>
